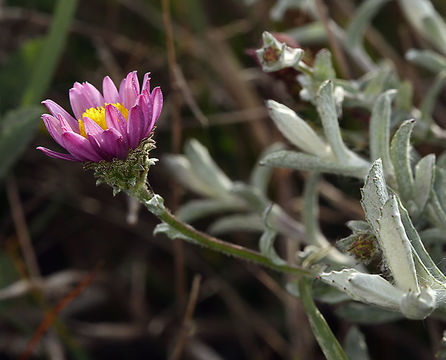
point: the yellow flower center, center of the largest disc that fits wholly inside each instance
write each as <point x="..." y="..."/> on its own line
<point x="98" y="116"/>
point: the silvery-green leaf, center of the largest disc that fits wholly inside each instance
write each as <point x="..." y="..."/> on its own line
<point x="275" y="217"/>
<point x="436" y="211"/>
<point x="310" y="212"/>
<point x="374" y="195"/>
<point x="365" y="314"/>
<point x="400" y="154"/>
<point x="281" y="6"/>
<point x="428" y="59"/>
<point x="428" y="104"/>
<point x="310" y="217"/>
<point x="197" y="209"/>
<point x="380" y="130"/>
<point x="355" y="345"/>
<point x="328" y="294"/>
<point x="419" y="248"/>
<point x="424" y="180"/>
<point x="404" y="96"/>
<point x="326" y="108"/>
<point x="428" y="23"/>
<point x="359" y="226"/>
<point x="260" y="175"/>
<point x="301" y="161"/>
<point x="361" y="19"/>
<point x="205" y="167"/>
<point x="440" y="184"/>
<point x="238" y="222"/>
<point x="266" y="246"/>
<point x="396" y="247"/>
<point x="323" y="66"/>
<point x="371" y="289"/>
<point x="418" y="306"/>
<point x="275" y="55"/>
<point x="155" y="205"/>
<point x="312" y="33"/>
<point x="377" y="84"/>
<point x="180" y="167"/>
<point x="321" y="292"/>
<point x="251" y="195"/>
<point x="170" y="232"/>
<point x="296" y="130"/>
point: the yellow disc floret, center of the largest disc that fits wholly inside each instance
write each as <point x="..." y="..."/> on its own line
<point x="98" y="116"/>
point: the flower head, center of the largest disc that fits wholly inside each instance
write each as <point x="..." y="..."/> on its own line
<point x="105" y="126"/>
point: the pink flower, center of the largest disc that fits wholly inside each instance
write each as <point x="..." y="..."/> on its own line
<point x="105" y="126"/>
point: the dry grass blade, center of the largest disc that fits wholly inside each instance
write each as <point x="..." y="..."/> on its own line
<point x="187" y="322"/>
<point x="52" y="315"/>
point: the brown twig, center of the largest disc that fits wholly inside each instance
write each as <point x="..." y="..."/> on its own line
<point x="176" y="145"/>
<point x="337" y="50"/>
<point x="22" y="228"/>
<point x="52" y="315"/>
<point x="187" y="322"/>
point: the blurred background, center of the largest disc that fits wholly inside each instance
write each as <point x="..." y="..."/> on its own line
<point x="144" y="296"/>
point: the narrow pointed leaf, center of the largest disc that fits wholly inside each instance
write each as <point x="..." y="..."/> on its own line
<point x="380" y="130"/>
<point x="197" y="209"/>
<point x="374" y="195"/>
<point x="205" y="167"/>
<point x="260" y="175"/>
<point x="301" y="161"/>
<point x="395" y="246"/>
<point x="322" y="332"/>
<point x="361" y="19"/>
<point x="326" y="108"/>
<point x="428" y="104"/>
<point x="424" y="180"/>
<point x="355" y="345"/>
<point x="428" y="59"/>
<point x="266" y="246"/>
<point x="234" y="223"/>
<point x="400" y="154"/>
<point x="323" y="66"/>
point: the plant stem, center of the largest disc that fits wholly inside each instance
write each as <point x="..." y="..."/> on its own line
<point x="210" y="242"/>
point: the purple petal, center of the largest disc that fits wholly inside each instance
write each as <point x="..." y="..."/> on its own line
<point x="113" y="144"/>
<point x="57" y="109"/>
<point x="58" y="155"/>
<point x="146" y="107"/>
<point x="91" y="127"/>
<point x="129" y="90"/>
<point x="94" y="132"/>
<point x="157" y="104"/>
<point x="78" y="102"/>
<point x="93" y="95"/>
<point x="135" y="126"/>
<point x="111" y="94"/>
<point x="53" y="127"/>
<point x="80" y="147"/>
<point x="84" y="96"/>
<point x="115" y="120"/>
<point x="64" y="124"/>
<point x="146" y="83"/>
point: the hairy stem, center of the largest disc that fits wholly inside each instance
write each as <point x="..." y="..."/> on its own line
<point x="210" y="242"/>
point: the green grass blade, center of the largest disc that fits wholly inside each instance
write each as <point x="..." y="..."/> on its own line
<point x="51" y="52"/>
